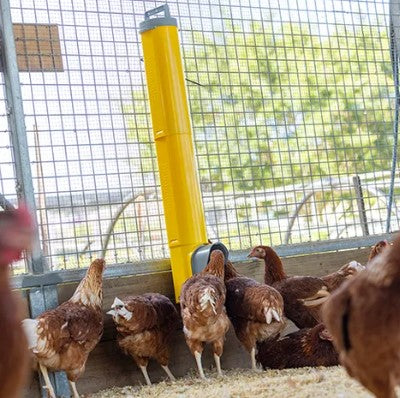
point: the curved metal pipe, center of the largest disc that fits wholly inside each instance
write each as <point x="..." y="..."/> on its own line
<point x="375" y="192"/>
<point x="115" y="219"/>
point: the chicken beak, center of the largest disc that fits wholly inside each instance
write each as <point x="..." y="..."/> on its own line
<point x="252" y="256"/>
<point x="112" y="313"/>
<point x="117" y="302"/>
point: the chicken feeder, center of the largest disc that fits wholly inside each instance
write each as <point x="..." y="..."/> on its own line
<point x="201" y="256"/>
<point x="179" y="180"/>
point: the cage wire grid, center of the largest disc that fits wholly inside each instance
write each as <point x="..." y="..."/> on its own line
<point x="292" y="110"/>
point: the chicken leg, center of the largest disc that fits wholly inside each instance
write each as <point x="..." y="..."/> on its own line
<point x="218" y="346"/>
<point x="143" y="368"/>
<point x="197" y="355"/>
<point x="46" y="378"/>
<point x="253" y="360"/>
<point x="168" y="372"/>
<point x="217" y="360"/>
<point x="73" y="388"/>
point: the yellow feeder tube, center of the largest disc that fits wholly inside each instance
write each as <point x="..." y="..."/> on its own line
<point x="183" y="207"/>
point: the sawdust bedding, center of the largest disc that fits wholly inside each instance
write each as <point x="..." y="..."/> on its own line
<point x="244" y="383"/>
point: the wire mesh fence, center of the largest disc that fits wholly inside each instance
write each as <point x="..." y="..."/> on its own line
<point x="292" y="109"/>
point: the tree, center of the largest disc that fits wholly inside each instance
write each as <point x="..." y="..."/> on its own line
<point x="275" y="105"/>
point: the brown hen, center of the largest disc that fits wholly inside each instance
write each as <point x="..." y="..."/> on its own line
<point x="363" y="317"/>
<point x="15" y="236"/>
<point x="62" y="338"/>
<point x="203" y="310"/>
<point x="377" y="249"/>
<point x="306" y="347"/>
<point x="302" y="295"/>
<point x="337" y="278"/>
<point x="255" y="310"/>
<point x="145" y="325"/>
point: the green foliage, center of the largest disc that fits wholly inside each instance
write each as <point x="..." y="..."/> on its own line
<point x="280" y="107"/>
<point x="275" y="105"/>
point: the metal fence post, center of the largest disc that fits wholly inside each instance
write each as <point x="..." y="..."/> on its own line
<point x="16" y="120"/>
<point x="394" y="49"/>
<point x="361" y="204"/>
<point x="42" y="298"/>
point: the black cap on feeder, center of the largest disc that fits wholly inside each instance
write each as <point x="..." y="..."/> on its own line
<point x="201" y="256"/>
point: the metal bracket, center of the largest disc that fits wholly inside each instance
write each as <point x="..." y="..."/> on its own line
<point x="151" y="23"/>
<point x="16" y="121"/>
<point x="5" y="204"/>
<point x="201" y="256"/>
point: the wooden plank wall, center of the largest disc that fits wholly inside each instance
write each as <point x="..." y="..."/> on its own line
<point x="108" y="367"/>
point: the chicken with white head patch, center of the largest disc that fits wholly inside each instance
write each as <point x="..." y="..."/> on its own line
<point x="145" y="326"/>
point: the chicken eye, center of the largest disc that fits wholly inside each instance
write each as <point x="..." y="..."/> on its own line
<point x="118" y="307"/>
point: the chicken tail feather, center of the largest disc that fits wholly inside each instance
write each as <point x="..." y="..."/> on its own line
<point x="318" y="298"/>
<point x="207" y="298"/>
<point x="271" y="314"/>
<point x="30" y="329"/>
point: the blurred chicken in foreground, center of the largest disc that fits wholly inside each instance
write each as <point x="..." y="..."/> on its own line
<point x="16" y="232"/>
<point x="377" y="249"/>
<point x="364" y="319"/>
<point x="62" y="338"/>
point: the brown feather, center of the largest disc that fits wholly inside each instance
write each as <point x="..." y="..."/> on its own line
<point x="16" y="232"/>
<point x="306" y="347"/>
<point x="202" y="303"/>
<point x="377" y="249"/>
<point x="148" y="333"/>
<point x="246" y="303"/>
<point x="216" y="265"/>
<point x="363" y="317"/>
<point x="68" y="333"/>
<point x="302" y="295"/>
<point x="13" y="346"/>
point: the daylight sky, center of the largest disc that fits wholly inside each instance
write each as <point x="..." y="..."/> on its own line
<point x="78" y="112"/>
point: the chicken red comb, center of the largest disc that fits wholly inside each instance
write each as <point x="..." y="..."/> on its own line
<point x="23" y="216"/>
<point x="16" y="232"/>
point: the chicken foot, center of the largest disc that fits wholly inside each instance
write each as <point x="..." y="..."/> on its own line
<point x="197" y="355"/>
<point x="143" y="368"/>
<point x="218" y="346"/>
<point x="253" y="360"/>
<point x="46" y="378"/>
<point x="217" y="360"/>
<point x="73" y="388"/>
<point x="168" y="372"/>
